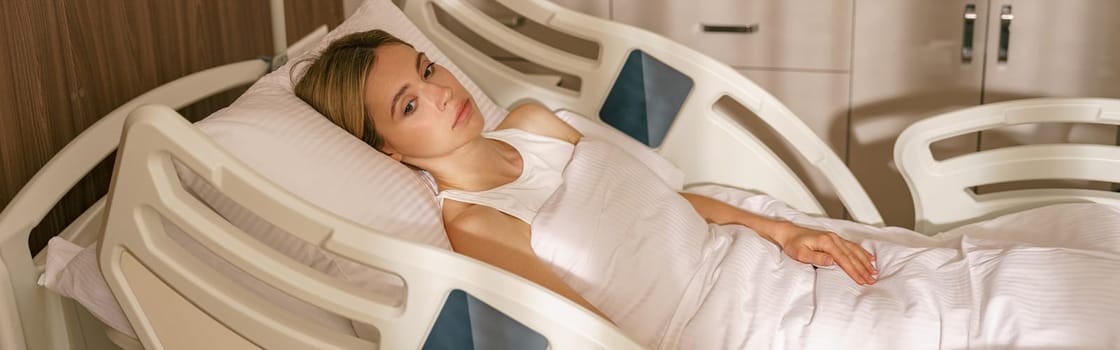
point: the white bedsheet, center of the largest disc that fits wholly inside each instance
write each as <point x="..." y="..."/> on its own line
<point x="1041" y="279"/>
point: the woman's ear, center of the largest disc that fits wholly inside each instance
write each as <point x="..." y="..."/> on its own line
<point x="392" y="153"/>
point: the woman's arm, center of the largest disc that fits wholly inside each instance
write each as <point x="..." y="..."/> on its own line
<point x="488" y="235"/>
<point x="803" y="244"/>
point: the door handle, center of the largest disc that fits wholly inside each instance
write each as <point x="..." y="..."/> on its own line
<point x="969" y="26"/>
<point x="1005" y="18"/>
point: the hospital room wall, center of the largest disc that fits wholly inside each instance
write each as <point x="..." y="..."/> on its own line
<point x="66" y="63"/>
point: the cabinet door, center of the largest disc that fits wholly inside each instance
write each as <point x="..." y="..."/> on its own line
<point x="909" y="62"/>
<point x="799" y="34"/>
<point x="820" y="99"/>
<point x="1065" y="48"/>
<point x="1054" y="48"/>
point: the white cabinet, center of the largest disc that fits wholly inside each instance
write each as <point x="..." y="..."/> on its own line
<point x="1067" y="48"/>
<point x="903" y="71"/>
<point x="911" y="60"/>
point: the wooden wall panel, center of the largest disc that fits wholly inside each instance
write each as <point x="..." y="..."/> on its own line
<point x="66" y="63"/>
<point x="310" y="10"/>
<point x="33" y="89"/>
<point x="7" y="106"/>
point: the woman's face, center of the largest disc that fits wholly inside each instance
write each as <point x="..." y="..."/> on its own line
<point x="417" y="106"/>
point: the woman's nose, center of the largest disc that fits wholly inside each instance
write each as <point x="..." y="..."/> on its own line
<point x="440" y="94"/>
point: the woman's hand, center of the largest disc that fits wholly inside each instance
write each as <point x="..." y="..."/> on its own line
<point x="805" y="245"/>
<point x="825" y="248"/>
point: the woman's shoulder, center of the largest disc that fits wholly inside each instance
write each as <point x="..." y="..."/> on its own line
<point x="537" y="119"/>
<point x="475" y="219"/>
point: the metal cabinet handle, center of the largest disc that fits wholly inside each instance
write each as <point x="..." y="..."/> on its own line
<point x="1005" y="18"/>
<point x="712" y="28"/>
<point x="969" y="26"/>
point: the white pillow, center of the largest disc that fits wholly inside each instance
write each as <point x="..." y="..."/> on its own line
<point x="284" y="139"/>
<point x="72" y="272"/>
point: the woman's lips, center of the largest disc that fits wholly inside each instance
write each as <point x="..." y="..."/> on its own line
<point x="464" y="113"/>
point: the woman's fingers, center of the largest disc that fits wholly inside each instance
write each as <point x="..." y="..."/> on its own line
<point x="818" y="258"/>
<point x="826" y="248"/>
<point x="858" y="256"/>
<point x="864" y="257"/>
<point x="847" y="260"/>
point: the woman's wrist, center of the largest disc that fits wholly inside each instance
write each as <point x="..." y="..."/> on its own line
<point x="773" y="230"/>
<point x="782" y="230"/>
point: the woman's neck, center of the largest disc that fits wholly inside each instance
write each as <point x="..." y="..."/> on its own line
<point x="480" y="165"/>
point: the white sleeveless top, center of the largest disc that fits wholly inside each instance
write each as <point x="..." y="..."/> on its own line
<point x="543" y="160"/>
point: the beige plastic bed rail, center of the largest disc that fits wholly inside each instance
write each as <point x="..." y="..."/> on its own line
<point x="30" y="326"/>
<point x="174" y="300"/>
<point x="710" y="147"/>
<point x="30" y="316"/>
<point x="942" y="198"/>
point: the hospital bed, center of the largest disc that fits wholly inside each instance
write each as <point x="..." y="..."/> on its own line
<point x="143" y="189"/>
<point x="173" y="300"/>
<point x="944" y="189"/>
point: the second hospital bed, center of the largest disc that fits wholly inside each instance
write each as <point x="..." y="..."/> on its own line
<point x="194" y="302"/>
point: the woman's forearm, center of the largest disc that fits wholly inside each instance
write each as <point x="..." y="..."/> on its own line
<point x="802" y="244"/>
<point x="717" y="212"/>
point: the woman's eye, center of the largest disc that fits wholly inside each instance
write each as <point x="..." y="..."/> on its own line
<point x="409" y="107"/>
<point x="429" y="70"/>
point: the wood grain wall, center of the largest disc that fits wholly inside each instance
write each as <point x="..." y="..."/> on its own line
<point x="66" y="63"/>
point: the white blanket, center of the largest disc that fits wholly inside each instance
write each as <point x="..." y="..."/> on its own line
<point x="1040" y="279"/>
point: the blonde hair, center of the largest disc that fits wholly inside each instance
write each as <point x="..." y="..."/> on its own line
<point x="334" y="84"/>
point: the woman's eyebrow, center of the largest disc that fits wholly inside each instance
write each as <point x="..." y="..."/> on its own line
<point x="393" y="105"/>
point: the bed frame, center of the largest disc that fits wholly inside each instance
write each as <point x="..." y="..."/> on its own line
<point x="141" y="267"/>
<point x="943" y="189"/>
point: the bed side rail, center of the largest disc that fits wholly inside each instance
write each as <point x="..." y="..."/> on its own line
<point x="171" y="296"/>
<point x="708" y="146"/>
<point x="941" y="188"/>
<point x="18" y="291"/>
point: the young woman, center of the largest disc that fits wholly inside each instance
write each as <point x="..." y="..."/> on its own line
<point x="397" y="100"/>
